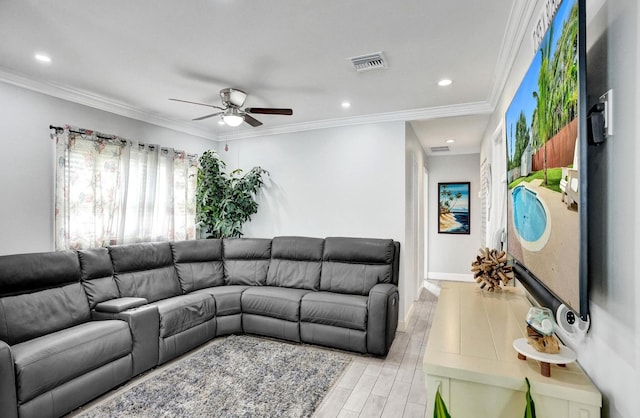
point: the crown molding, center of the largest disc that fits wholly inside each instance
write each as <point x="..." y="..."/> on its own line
<point x="405" y="116"/>
<point x="519" y="19"/>
<point x="100" y="103"/>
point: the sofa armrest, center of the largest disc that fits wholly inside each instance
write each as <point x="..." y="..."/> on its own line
<point x="144" y="323"/>
<point x="120" y="304"/>
<point x="382" y="318"/>
<point x="8" y="400"/>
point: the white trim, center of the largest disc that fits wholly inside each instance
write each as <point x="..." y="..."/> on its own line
<point x="100" y="103"/>
<point x="405" y="115"/>
<point x="456" y="277"/>
<point x="498" y="133"/>
<point x="519" y="19"/>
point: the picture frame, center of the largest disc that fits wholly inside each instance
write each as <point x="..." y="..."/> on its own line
<point x="454" y="208"/>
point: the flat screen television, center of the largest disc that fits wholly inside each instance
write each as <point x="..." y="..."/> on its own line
<point x="546" y="130"/>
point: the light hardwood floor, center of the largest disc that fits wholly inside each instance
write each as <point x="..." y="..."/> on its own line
<point x="390" y="387"/>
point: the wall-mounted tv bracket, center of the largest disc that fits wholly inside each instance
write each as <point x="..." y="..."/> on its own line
<point x="600" y="119"/>
<point x="570" y="325"/>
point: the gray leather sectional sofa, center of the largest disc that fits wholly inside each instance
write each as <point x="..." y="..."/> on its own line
<point x="74" y="325"/>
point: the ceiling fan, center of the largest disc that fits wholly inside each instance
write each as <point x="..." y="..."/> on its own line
<point x="231" y="109"/>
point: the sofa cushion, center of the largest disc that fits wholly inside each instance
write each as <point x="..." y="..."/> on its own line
<point x="32" y="315"/>
<point x="97" y="275"/>
<point x="295" y="262"/>
<point x="275" y="302"/>
<point x="359" y="250"/>
<point x="198" y="263"/>
<point x="346" y="311"/>
<point x="27" y="273"/>
<point x="145" y="270"/>
<point x="40" y="293"/>
<point x="355" y="265"/>
<point x="47" y="362"/>
<point x="246" y="261"/>
<point x="180" y="313"/>
<point x="227" y="298"/>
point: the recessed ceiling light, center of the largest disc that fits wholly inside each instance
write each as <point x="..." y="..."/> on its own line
<point x="346" y="105"/>
<point x="450" y="141"/>
<point x="444" y="82"/>
<point x="43" y="58"/>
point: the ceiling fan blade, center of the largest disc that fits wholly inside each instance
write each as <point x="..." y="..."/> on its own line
<point x="196" y="103"/>
<point x="251" y="120"/>
<point x="269" y="111"/>
<point x="208" y="116"/>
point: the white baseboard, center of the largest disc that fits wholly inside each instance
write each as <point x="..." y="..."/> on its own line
<point x="402" y="325"/>
<point x="455" y="277"/>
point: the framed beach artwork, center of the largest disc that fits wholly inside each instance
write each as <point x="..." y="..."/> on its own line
<point x="453" y="208"/>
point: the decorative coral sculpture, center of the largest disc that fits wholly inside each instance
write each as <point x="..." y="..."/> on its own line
<point x="490" y="268"/>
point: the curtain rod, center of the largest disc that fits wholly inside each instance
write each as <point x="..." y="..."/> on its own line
<point x="59" y="129"/>
<point x="81" y="132"/>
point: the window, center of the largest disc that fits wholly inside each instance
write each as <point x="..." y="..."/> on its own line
<point x="115" y="191"/>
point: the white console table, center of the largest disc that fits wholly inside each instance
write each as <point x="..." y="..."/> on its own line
<point x="470" y="357"/>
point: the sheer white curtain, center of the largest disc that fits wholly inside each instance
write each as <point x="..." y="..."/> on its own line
<point x="115" y="191"/>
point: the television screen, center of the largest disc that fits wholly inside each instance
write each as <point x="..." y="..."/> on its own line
<point x="545" y="127"/>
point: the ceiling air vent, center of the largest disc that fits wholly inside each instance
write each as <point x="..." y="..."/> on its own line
<point x="443" y="148"/>
<point x="369" y="62"/>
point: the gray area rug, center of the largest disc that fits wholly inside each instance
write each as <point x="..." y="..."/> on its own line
<point x="236" y="376"/>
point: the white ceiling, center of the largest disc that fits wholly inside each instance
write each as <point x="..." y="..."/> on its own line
<point x="129" y="57"/>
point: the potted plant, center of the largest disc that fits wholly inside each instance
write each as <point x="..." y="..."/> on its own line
<point x="224" y="202"/>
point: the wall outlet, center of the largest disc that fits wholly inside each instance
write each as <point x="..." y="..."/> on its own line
<point x="607" y="99"/>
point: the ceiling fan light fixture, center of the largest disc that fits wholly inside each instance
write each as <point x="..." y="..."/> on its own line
<point x="233" y="96"/>
<point x="233" y="117"/>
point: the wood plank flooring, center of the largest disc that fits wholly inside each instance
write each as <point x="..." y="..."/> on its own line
<point x="390" y="387"/>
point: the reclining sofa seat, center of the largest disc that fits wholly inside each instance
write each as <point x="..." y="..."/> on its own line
<point x="151" y="302"/>
<point x="102" y="292"/>
<point x="53" y="358"/>
<point x="356" y="307"/>
<point x="200" y="269"/>
<point x="146" y="270"/>
<point x="293" y="271"/>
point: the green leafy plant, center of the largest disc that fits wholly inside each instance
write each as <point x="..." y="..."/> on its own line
<point x="224" y="202"/>
<point x="530" y="409"/>
<point x="439" y="407"/>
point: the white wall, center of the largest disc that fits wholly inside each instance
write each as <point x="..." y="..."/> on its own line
<point x="450" y="255"/>
<point x="346" y="181"/>
<point x="415" y="163"/>
<point x="610" y="355"/>
<point x="27" y="170"/>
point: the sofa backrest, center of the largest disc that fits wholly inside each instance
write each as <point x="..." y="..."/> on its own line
<point x="355" y="265"/>
<point x="97" y="275"/>
<point x="40" y="293"/>
<point x="295" y="262"/>
<point x="246" y="261"/>
<point x="145" y="270"/>
<point x="198" y="263"/>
